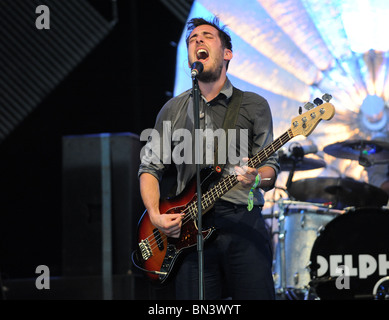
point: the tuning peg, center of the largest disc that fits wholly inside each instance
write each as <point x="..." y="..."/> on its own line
<point x="327" y="97"/>
<point x="318" y="101"/>
<point x="309" y="105"/>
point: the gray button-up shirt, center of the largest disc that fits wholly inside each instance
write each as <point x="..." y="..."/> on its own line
<point x="173" y="139"/>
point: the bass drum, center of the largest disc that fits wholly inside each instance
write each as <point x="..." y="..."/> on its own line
<point x="351" y="254"/>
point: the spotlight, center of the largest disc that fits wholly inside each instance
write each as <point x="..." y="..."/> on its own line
<point x="373" y="113"/>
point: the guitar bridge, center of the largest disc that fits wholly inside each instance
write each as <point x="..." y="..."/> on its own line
<point x="145" y="249"/>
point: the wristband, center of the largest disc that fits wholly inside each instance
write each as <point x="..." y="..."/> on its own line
<point x="250" y="201"/>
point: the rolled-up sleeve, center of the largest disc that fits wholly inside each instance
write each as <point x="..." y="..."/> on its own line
<point x="155" y="155"/>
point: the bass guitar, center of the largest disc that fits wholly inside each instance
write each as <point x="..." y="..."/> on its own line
<point x="158" y="254"/>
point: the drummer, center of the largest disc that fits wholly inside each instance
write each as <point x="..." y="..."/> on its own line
<point x="379" y="174"/>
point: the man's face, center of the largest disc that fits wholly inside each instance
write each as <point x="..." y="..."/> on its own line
<point x="205" y="46"/>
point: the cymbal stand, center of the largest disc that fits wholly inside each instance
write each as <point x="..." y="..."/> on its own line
<point x="281" y="239"/>
<point x="365" y="162"/>
<point x="282" y="235"/>
<point x="291" y="174"/>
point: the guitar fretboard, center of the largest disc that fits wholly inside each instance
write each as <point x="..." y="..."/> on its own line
<point x="228" y="182"/>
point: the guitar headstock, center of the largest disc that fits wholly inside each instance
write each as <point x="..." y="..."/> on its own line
<point x="305" y="123"/>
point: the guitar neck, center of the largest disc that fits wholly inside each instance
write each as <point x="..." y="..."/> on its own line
<point x="227" y="183"/>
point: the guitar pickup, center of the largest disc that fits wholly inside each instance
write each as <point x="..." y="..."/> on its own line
<point x="145" y="249"/>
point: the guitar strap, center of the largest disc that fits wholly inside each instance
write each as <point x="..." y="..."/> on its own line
<point x="229" y="123"/>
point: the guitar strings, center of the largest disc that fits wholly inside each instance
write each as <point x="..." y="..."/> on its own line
<point x="221" y="187"/>
<point x="191" y="215"/>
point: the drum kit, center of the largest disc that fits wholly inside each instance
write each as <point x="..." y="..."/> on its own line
<point x="333" y="233"/>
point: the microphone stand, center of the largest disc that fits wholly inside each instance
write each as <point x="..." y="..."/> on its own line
<point x="200" y="245"/>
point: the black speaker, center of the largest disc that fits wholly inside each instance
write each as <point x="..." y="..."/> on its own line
<point x="101" y="202"/>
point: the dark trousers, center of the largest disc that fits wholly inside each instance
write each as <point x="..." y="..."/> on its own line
<point x="237" y="262"/>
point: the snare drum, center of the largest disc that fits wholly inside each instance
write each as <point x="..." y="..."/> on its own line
<point x="351" y="254"/>
<point x="302" y="224"/>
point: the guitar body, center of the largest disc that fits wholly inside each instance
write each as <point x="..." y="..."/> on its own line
<point x="158" y="254"/>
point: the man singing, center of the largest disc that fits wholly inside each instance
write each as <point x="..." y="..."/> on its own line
<point x="238" y="261"/>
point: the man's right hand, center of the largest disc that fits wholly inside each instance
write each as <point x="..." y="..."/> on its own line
<point x="169" y="224"/>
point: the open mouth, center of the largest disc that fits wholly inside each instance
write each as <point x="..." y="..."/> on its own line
<point x="202" y="54"/>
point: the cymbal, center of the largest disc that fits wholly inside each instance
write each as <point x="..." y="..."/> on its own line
<point x="354" y="149"/>
<point x="303" y="164"/>
<point x="341" y="192"/>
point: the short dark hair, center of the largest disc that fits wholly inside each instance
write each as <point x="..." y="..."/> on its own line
<point x="223" y="34"/>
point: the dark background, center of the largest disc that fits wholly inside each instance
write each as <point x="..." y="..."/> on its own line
<point x="119" y="87"/>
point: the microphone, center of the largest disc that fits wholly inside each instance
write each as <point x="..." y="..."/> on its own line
<point x="196" y="68"/>
<point x="300" y="151"/>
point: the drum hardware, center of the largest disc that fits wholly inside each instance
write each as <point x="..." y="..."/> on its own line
<point x="321" y="228"/>
<point x="381" y="289"/>
<point x="294" y="160"/>
<point x="350" y="209"/>
<point x="282" y="203"/>
<point x="281" y="239"/>
<point x="335" y="197"/>
<point x="364" y="162"/>
<point x="302" y="221"/>
<point x="296" y="278"/>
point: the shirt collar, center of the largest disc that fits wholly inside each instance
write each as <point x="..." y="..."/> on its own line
<point x="224" y="95"/>
<point x="227" y="89"/>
